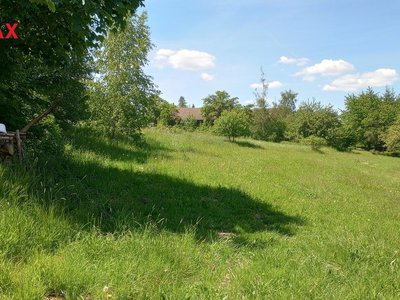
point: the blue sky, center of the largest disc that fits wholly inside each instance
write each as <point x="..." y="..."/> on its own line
<point x="322" y="49"/>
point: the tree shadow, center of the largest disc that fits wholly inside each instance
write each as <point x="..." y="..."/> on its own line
<point x="318" y="151"/>
<point x="118" y="149"/>
<point x="248" y="144"/>
<point x="115" y="200"/>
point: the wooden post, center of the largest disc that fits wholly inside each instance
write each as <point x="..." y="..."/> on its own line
<point x="19" y="145"/>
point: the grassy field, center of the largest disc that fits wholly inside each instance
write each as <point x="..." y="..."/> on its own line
<point x="192" y="216"/>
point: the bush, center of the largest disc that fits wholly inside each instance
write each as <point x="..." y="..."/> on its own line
<point x="315" y="142"/>
<point x="341" y="138"/>
<point x="190" y="123"/>
<point x="204" y="127"/>
<point x="233" y="124"/>
<point x="45" y="139"/>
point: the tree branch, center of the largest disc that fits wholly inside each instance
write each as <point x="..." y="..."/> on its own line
<point x="41" y="116"/>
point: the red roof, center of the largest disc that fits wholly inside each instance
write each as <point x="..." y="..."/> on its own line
<point x="184" y="113"/>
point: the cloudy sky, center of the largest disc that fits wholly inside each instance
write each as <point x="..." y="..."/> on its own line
<point x="322" y="49"/>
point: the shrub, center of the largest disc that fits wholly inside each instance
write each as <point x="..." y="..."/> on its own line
<point x="190" y="123"/>
<point x="45" y="139"/>
<point x="315" y="142"/>
<point x="204" y="127"/>
<point x="341" y="138"/>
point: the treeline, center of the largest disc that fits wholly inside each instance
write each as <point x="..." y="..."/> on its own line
<point x="369" y="121"/>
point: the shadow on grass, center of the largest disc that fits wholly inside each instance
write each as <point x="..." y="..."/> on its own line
<point x="120" y="149"/>
<point x="318" y="151"/>
<point x="248" y="144"/>
<point x="114" y="200"/>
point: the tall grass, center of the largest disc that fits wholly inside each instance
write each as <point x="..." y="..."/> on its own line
<point x="190" y="215"/>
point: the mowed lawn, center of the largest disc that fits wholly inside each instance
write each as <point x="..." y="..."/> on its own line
<point x="192" y="216"/>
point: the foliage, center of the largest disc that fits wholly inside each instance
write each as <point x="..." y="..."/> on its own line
<point x="204" y="127"/>
<point x="369" y="116"/>
<point x="233" y="124"/>
<point x="31" y="89"/>
<point x="45" y="140"/>
<point x="341" y="138"/>
<point x="261" y="96"/>
<point x="315" y="142"/>
<point x="268" y="125"/>
<point x="166" y="113"/>
<point x="48" y="60"/>
<point x="182" y="102"/>
<point x="55" y="31"/>
<point x="190" y="123"/>
<point x="287" y="102"/>
<point x="312" y="118"/>
<point x="215" y="104"/>
<point x="34" y="87"/>
<point x="392" y="137"/>
<point x="126" y="95"/>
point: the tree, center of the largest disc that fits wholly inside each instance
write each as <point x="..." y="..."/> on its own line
<point x="271" y="123"/>
<point x="182" y="102"/>
<point x="55" y="31"/>
<point x="392" y="137"/>
<point x="288" y="101"/>
<point x="47" y="62"/>
<point x="215" y="104"/>
<point x="341" y="138"/>
<point x="369" y="116"/>
<point x="268" y="123"/>
<point x="34" y="87"/>
<point x="165" y="113"/>
<point x="313" y="119"/>
<point x="126" y="94"/>
<point x="233" y="124"/>
<point x="261" y="96"/>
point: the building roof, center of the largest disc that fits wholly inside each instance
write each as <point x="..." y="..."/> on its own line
<point x="184" y="113"/>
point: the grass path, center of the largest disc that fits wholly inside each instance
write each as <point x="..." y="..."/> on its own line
<point x="189" y="215"/>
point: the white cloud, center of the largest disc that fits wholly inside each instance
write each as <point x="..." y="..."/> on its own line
<point x="327" y="67"/>
<point x="207" y="77"/>
<point x="354" y="82"/>
<point x="272" y="85"/>
<point x="256" y="85"/>
<point x="164" y="53"/>
<point x="275" y="84"/>
<point x="184" y="59"/>
<point x="293" y="61"/>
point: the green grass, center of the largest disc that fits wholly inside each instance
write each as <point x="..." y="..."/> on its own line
<point x="190" y="215"/>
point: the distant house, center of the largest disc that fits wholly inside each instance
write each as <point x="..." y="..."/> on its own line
<point x="184" y="113"/>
